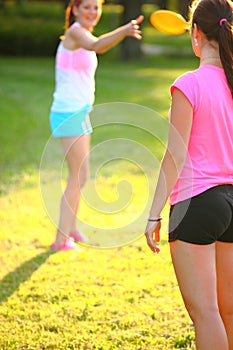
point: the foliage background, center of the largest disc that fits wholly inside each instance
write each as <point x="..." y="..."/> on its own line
<point x="33" y="28"/>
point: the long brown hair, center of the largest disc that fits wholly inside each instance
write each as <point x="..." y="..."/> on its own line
<point x="69" y="16"/>
<point x="215" y="19"/>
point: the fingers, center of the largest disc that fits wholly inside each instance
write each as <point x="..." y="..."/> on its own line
<point x="157" y="233"/>
<point x="134" y="24"/>
<point x="135" y="31"/>
<point x="151" y="243"/>
<point x="152" y="234"/>
<point x="139" y="19"/>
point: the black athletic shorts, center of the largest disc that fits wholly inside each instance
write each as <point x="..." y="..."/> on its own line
<point x="205" y="218"/>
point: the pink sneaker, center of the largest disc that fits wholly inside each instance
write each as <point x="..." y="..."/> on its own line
<point x="67" y="245"/>
<point x="79" y="237"/>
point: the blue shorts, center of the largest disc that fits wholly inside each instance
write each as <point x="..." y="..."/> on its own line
<point x="205" y="218"/>
<point x="64" y="124"/>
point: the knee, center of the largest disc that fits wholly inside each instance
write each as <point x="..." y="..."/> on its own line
<point x="201" y="310"/>
<point x="77" y="180"/>
<point x="83" y="177"/>
<point x="226" y="310"/>
<point x="82" y="180"/>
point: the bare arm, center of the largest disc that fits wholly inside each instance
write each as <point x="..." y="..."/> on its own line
<point x="173" y="161"/>
<point x="80" y="37"/>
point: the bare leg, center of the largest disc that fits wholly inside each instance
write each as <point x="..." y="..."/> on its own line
<point x="224" y="253"/>
<point x="195" y="269"/>
<point x="76" y="150"/>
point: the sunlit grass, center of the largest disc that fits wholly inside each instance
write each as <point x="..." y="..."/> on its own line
<point x="103" y="299"/>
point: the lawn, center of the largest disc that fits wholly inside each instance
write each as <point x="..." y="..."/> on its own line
<point x="121" y="297"/>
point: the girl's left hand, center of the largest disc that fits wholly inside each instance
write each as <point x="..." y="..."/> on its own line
<point x="152" y="234"/>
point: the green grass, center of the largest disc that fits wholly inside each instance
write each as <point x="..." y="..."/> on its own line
<point x="120" y="298"/>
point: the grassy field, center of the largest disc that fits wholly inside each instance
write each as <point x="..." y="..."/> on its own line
<point x="119" y="298"/>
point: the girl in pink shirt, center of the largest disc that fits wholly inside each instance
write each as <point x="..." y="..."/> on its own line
<point x="197" y="174"/>
<point x="76" y="63"/>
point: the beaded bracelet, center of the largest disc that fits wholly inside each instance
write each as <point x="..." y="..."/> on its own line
<point x="155" y="220"/>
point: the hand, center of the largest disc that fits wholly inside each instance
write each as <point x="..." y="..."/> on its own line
<point x="152" y="234"/>
<point x="133" y="28"/>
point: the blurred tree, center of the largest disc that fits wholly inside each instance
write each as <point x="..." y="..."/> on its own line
<point x="67" y="3"/>
<point x="183" y="8"/>
<point x="130" y="47"/>
<point x="163" y="4"/>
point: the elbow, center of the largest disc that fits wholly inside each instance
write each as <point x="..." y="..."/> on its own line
<point x="179" y="161"/>
<point x="100" y="51"/>
<point x="175" y="160"/>
<point x="93" y="47"/>
<point x="97" y="48"/>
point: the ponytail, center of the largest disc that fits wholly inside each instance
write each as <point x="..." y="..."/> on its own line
<point x="69" y="15"/>
<point x="215" y="19"/>
<point x="226" y="51"/>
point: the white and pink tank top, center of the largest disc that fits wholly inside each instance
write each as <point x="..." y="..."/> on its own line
<point x="74" y="78"/>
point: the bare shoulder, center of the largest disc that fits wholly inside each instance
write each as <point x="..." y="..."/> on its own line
<point x="73" y="37"/>
<point x="77" y="32"/>
<point x="79" y="37"/>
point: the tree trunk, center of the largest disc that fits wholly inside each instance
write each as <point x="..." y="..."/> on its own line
<point x="66" y="3"/>
<point x="183" y="8"/>
<point x="130" y="47"/>
<point x="163" y="4"/>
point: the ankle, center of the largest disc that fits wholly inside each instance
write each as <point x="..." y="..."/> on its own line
<point x="60" y="237"/>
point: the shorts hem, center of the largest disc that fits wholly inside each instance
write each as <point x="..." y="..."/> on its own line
<point x="58" y="136"/>
<point x="65" y="124"/>
<point x="190" y="242"/>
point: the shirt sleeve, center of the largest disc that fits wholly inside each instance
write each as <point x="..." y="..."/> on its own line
<point x="187" y="84"/>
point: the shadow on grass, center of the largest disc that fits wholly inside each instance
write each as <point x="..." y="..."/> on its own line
<point x="12" y="281"/>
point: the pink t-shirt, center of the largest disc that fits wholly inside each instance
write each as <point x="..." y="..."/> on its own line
<point x="209" y="160"/>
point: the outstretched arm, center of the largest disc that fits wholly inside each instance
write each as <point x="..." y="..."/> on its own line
<point x="80" y="37"/>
